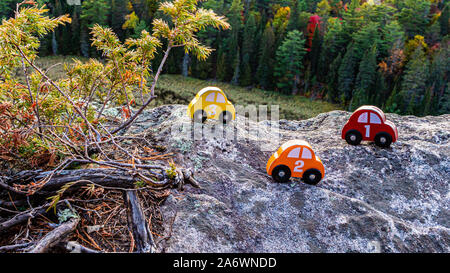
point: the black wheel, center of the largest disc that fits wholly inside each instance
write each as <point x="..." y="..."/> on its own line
<point x="225" y="117"/>
<point x="281" y="173"/>
<point x="353" y="137"/>
<point x="312" y="176"/>
<point x="200" y="116"/>
<point x="383" y="140"/>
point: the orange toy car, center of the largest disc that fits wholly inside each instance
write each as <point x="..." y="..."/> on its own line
<point x="295" y="158"/>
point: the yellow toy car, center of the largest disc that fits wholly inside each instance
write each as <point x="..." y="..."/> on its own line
<point x="212" y="103"/>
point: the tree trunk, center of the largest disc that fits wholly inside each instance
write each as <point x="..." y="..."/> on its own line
<point x="84" y="45"/>
<point x="185" y="66"/>
<point x="237" y="72"/>
<point x="54" y="44"/>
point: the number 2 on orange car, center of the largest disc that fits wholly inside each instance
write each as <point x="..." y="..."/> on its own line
<point x="298" y="166"/>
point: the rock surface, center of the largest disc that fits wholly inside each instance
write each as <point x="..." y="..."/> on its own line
<point x="371" y="199"/>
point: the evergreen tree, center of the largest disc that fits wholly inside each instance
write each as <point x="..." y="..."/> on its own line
<point x="346" y="73"/>
<point x="353" y="19"/>
<point x="264" y="72"/>
<point x="246" y="79"/>
<point x="289" y="58"/>
<point x="93" y="12"/>
<point x="151" y="7"/>
<point x="393" y="35"/>
<point x="311" y="5"/>
<point x="365" y="38"/>
<point x="438" y="80"/>
<point x="316" y="49"/>
<point x="414" y="83"/>
<point x="393" y="102"/>
<point x="414" y="16"/>
<point x="118" y="12"/>
<point x="332" y="80"/>
<point x="335" y="39"/>
<point x="333" y="42"/>
<point x="444" y="19"/>
<point x="221" y="71"/>
<point x="235" y="19"/>
<point x="433" y="31"/>
<point x="381" y="13"/>
<point x="366" y="80"/>
<point x="248" y="52"/>
<point x="444" y="101"/>
<point x="139" y="28"/>
<point x="294" y="16"/>
<point x="7" y="8"/>
<point x="427" y="103"/>
<point x="381" y="91"/>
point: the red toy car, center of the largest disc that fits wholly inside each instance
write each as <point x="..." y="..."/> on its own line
<point x="369" y="123"/>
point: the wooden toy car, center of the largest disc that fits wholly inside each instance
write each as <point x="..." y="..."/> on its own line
<point x="211" y="102"/>
<point x="295" y="158"/>
<point x="369" y="123"/>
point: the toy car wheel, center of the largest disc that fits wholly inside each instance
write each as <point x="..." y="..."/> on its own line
<point x="281" y="173"/>
<point x="383" y="140"/>
<point x="353" y="137"/>
<point x="200" y="116"/>
<point x="225" y="117"/>
<point x="312" y="176"/>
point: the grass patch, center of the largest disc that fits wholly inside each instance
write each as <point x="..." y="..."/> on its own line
<point x="180" y="90"/>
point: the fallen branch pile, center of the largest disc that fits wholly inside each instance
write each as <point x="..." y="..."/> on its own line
<point x="106" y="197"/>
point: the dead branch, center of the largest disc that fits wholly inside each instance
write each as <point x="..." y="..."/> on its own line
<point x="22" y="217"/>
<point x="55" y="236"/>
<point x="9" y="248"/>
<point x="102" y="177"/>
<point x="137" y="223"/>
<point x="7" y="187"/>
<point x="9" y="204"/>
